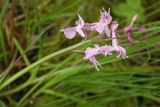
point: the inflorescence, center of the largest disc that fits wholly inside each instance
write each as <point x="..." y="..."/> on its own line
<point x="105" y="26"/>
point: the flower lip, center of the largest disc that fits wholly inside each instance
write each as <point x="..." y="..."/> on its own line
<point x="90" y="54"/>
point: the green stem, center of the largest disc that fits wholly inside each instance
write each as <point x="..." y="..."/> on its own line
<point x="27" y="69"/>
<point x="24" y="56"/>
<point x="28" y="93"/>
<point x="2" y="43"/>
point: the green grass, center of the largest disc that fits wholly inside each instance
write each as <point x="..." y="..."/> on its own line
<point x="39" y="67"/>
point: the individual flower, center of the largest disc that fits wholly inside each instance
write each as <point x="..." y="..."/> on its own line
<point x="120" y="50"/>
<point x="128" y="30"/>
<point x="79" y="28"/>
<point x="90" y="55"/>
<point x="102" y="27"/>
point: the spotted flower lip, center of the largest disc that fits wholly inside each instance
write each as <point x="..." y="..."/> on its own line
<point x="70" y="32"/>
<point x="90" y="55"/>
<point x="105" y="16"/>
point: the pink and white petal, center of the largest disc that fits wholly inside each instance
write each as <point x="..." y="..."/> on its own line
<point x="80" y="31"/>
<point x="107" y="31"/>
<point x="88" y="26"/>
<point x="114" y="25"/>
<point x="109" y="20"/>
<point x="89" y="52"/>
<point x="94" y="62"/>
<point x="121" y="52"/>
<point x="99" y="27"/>
<point x="81" y="20"/>
<point x="106" y="50"/>
<point x="69" y="32"/>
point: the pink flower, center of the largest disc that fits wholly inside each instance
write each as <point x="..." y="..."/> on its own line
<point x="71" y="31"/>
<point x="102" y="27"/>
<point x="120" y="50"/>
<point x="128" y="30"/>
<point x="128" y="33"/>
<point x="90" y="55"/>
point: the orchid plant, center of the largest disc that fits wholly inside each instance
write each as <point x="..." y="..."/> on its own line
<point x="106" y="27"/>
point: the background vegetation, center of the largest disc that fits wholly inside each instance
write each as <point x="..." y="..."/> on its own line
<point x="39" y="67"/>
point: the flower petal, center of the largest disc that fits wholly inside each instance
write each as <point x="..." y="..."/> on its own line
<point x="121" y="52"/>
<point x="69" y="32"/>
<point x="80" y="31"/>
<point x="89" y="52"/>
<point x="88" y="26"/>
<point x="107" y="31"/>
<point x="93" y="61"/>
<point x="114" y="25"/>
<point x="99" y="27"/>
<point x="81" y="20"/>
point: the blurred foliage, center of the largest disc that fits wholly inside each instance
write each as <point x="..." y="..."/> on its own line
<point x="130" y="8"/>
<point x="2" y="104"/>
